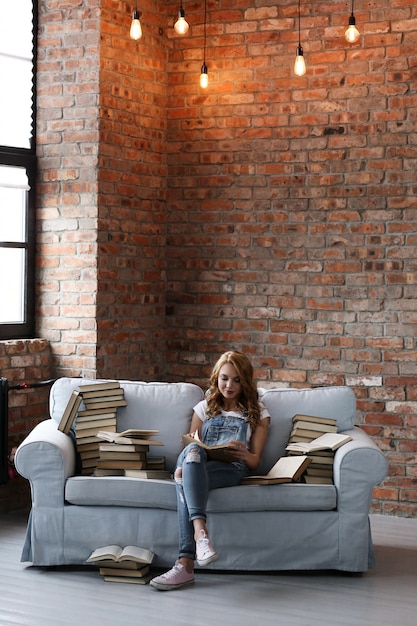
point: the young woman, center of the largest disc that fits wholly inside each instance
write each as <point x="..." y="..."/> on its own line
<point x="231" y="414"/>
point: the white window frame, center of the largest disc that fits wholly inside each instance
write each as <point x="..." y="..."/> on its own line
<point x="26" y="158"/>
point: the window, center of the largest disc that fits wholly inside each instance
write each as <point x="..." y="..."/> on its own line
<point x="17" y="168"/>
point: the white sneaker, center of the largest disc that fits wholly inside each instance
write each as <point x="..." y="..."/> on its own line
<point x="175" y="578"/>
<point x="205" y="553"/>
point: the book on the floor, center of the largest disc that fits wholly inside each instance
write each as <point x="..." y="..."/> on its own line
<point x="70" y="412"/>
<point x="126" y="437"/>
<point x="139" y="572"/>
<point x="328" y="441"/>
<point x="119" y="554"/>
<point x="148" y="473"/>
<point x="122" y="565"/>
<point x="128" y="579"/>
<point x="286" y="470"/>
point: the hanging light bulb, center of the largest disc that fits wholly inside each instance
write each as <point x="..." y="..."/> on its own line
<point x="204" y="71"/>
<point x="203" y="76"/>
<point x="135" y="27"/>
<point x="181" y="25"/>
<point x="352" y="34"/>
<point x="300" y="64"/>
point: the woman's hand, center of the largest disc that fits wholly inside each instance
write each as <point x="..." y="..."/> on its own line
<point x="238" y="450"/>
<point x="233" y="451"/>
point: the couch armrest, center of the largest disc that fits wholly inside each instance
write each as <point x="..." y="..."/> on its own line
<point x="358" y="466"/>
<point x="46" y="458"/>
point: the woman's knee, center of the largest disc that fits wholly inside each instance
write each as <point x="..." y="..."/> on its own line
<point x="193" y="453"/>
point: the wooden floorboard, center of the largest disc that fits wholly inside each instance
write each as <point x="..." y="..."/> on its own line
<point x="386" y="596"/>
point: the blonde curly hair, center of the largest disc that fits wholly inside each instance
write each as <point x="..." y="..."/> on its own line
<point x="248" y="401"/>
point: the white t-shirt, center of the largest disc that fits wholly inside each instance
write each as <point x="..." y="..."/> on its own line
<point x="201" y="410"/>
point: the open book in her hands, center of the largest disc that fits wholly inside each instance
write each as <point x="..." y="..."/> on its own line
<point x="194" y="438"/>
<point x="286" y="470"/>
<point x="328" y="441"/>
<point x="119" y="554"/>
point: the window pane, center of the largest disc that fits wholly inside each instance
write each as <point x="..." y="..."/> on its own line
<point x="13" y="193"/>
<point x="15" y="102"/>
<point x="16" y="27"/>
<point x="16" y="58"/>
<point x="12" y="262"/>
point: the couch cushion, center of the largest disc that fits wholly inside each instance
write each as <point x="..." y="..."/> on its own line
<point x="167" y="407"/>
<point x="335" y="402"/>
<point x="161" y="494"/>
<point x="121" y="491"/>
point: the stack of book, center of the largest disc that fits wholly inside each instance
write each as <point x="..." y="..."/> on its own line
<point x="126" y="454"/>
<point x="308" y="427"/>
<point x="123" y="565"/>
<point x="100" y="402"/>
<point x="317" y="438"/>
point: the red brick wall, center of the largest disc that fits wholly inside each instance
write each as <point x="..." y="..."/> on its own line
<point x="67" y="212"/>
<point x="292" y="212"/>
<point x="284" y="208"/>
<point x="101" y="205"/>
<point x="132" y="195"/>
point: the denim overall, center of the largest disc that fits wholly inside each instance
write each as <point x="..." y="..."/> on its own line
<point x="199" y="475"/>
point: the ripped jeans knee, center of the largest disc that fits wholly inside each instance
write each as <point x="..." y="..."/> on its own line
<point x="192" y="455"/>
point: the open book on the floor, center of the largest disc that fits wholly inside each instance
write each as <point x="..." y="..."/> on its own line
<point x="286" y="470"/>
<point x="328" y="441"/>
<point x="119" y="554"/>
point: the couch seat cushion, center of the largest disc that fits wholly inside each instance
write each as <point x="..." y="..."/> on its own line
<point x="121" y="491"/>
<point x="161" y="494"/>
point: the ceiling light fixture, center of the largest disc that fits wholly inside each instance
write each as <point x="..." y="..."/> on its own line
<point x="204" y="71"/>
<point x="181" y="26"/>
<point x="299" y="65"/>
<point x="352" y="34"/>
<point x="135" y="27"/>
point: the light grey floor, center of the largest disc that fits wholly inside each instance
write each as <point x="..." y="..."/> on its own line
<point x="32" y="596"/>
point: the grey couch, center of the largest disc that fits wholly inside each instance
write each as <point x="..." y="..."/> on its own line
<point x="276" y="527"/>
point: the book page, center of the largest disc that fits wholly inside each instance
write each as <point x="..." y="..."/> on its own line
<point x="106" y="552"/>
